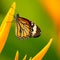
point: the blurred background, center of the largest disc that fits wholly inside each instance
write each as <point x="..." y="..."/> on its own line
<point x="31" y="10"/>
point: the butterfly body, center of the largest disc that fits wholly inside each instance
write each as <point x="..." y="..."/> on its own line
<point x="25" y="28"/>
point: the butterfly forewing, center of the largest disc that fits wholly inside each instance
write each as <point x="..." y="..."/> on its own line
<point x="22" y="29"/>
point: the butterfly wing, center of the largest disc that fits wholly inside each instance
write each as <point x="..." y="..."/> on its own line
<point x="22" y="28"/>
<point x="26" y="28"/>
<point x="17" y="30"/>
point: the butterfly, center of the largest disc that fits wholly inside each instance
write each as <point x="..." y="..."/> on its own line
<point x="25" y="28"/>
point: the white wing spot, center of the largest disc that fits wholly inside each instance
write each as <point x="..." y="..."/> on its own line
<point x="34" y="30"/>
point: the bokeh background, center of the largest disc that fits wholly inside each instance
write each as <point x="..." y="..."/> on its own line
<point x="31" y="10"/>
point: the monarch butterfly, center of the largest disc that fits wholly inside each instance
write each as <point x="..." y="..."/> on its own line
<point x="25" y="28"/>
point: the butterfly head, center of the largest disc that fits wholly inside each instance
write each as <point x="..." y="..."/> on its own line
<point x="16" y="17"/>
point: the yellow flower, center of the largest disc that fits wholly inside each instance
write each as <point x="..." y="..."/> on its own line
<point x="40" y="55"/>
<point x="5" y="26"/>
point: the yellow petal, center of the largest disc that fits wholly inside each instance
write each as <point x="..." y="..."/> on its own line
<point x="42" y="53"/>
<point x="30" y="58"/>
<point x="17" y="56"/>
<point x="6" y="25"/>
<point x="25" y="57"/>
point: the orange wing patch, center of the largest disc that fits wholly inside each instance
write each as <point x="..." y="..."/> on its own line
<point x="22" y="28"/>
